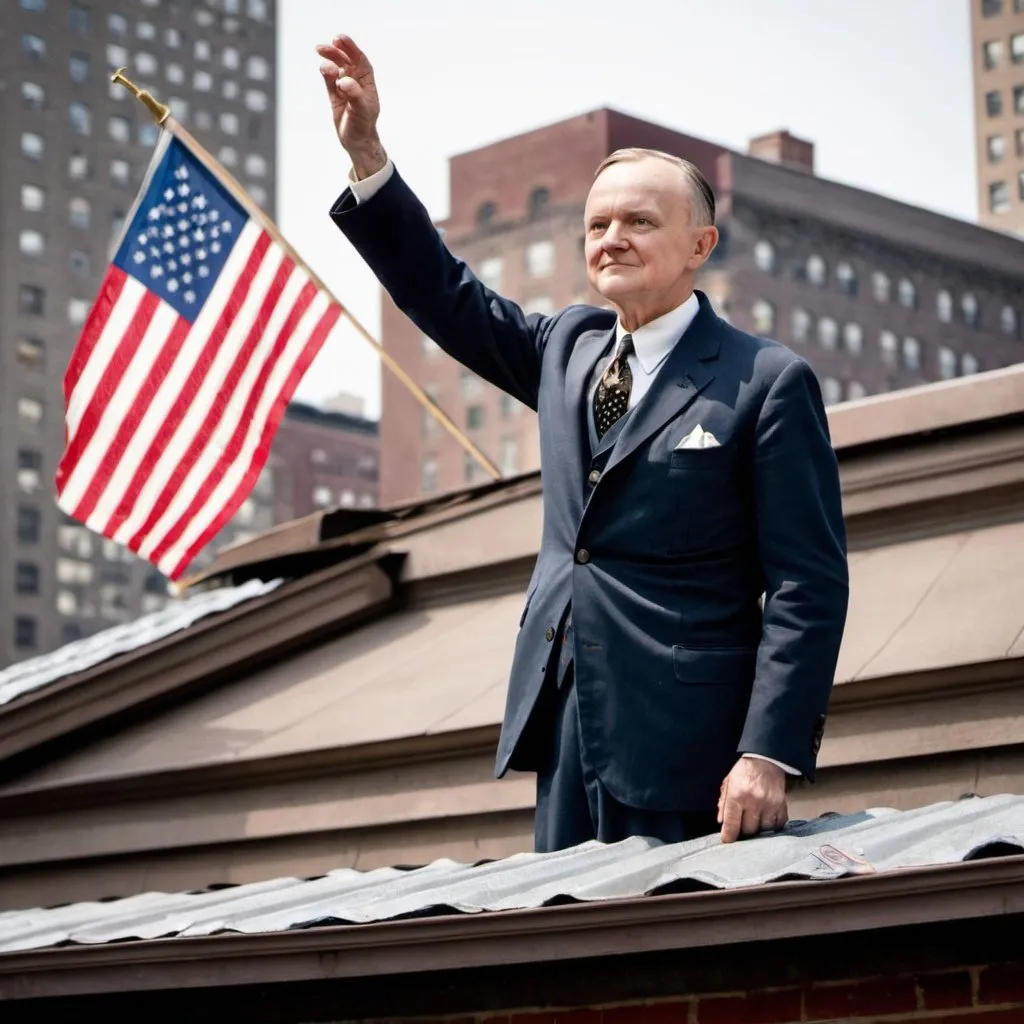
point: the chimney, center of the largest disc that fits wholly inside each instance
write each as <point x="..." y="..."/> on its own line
<point x="782" y="148"/>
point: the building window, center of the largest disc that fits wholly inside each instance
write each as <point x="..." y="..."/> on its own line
<point x="999" y="197"/>
<point x="229" y="58"/>
<point x="204" y="17"/>
<point x="33" y="46"/>
<point x="1018" y="99"/>
<point x="540" y="259"/>
<point x="76" y="539"/>
<point x="257" y="9"/>
<point x="1019" y="144"/>
<point x="1020" y="185"/>
<point x="145" y="30"/>
<point x="947" y="362"/>
<point x="179" y="107"/>
<point x="120" y="172"/>
<point x="993" y="103"/>
<point x="148" y="133"/>
<point x="485" y="214"/>
<point x="474" y="417"/>
<point x="763" y="314"/>
<point x="969" y="364"/>
<point x="991" y="8"/>
<point x="970" y="308"/>
<point x="32" y="243"/>
<point x="540" y="304"/>
<point x="509" y="456"/>
<point x="202" y="49"/>
<point x="78" y="68"/>
<point x="428" y="346"/>
<point x="228" y="156"/>
<point x="31" y="353"/>
<point x="70" y="632"/>
<point x="944" y="306"/>
<point x="81" y="119"/>
<point x="67" y="602"/>
<point x="831" y="391"/>
<point x="888" y="348"/>
<point x="117" y="25"/>
<point x="881" y="286"/>
<point x="428" y="474"/>
<point x="257" y="68"/>
<point x="992" y="53"/>
<point x="28" y="524"/>
<point x="31" y="300"/>
<point x="817" y="270"/>
<point x="33" y="96"/>
<point x="175" y="73"/>
<point x="79" y="212"/>
<point x="995" y="146"/>
<point x="855" y="390"/>
<point x="470" y="384"/>
<point x="146" y="64"/>
<point x="471" y="471"/>
<point x="229" y="89"/>
<point x="78" y="167"/>
<point x="764" y="256"/>
<point x="229" y="123"/>
<point x="1017" y="48"/>
<point x="510" y="407"/>
<point x="78" y="310"/>
<point x="1009" y="321"/>
<point x="912" y="354"/>
<point x="70" y="570"/>
<point x="255" y="100"/>
<point x="490" y="272"/>
<point x="800" y="325"/>
<point x="907" y="293"/>
<point x="119" y="128"/>
<point x="828" y="333"/>
<point x="202" y="81"/>
<point x="258" y="194"/>
<point x="33" y="198"/>
<point x="36" y="6"/>
<point x="539" y="200"/>
<point x="853" y="338"/>
<point x="255" y="165"/>
<point x="30" y="414"/>
<point x="30" y="470"/>
<point x="25" y="632"/>
<point x="846" y="278"/>
<point x="117" y="57"/>
<point x="26" y="578"/>
<point x="32" y="145"/>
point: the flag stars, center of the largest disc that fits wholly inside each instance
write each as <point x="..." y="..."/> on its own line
<point x="139" y="256"/>
<point x="215" y="247"/>
<point x="200" y="254"/>
<point x="183" y="225"/>
<point x="203" y="271"/>
<point x="190" y="296"/>
<point x="185" y="258"/>
<point x="172" y="284"/>
<point x="199" y="235"/>
<point x="168" y="247"/>
<point x="181" y="172"/>
<point x="183" y="189"/>
<point x="143" y="238"/>
<point x="169" y="194"/>
<point x="156" y="270"/>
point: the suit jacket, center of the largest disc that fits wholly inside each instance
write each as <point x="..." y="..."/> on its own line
<point x="663" y="553"/>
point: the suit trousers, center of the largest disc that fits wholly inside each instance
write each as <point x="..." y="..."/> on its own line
<point x="573" y="806"/>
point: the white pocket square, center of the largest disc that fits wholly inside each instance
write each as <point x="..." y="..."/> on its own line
<point x="698" y="438"/>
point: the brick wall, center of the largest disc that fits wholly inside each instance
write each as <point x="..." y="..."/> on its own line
<point x="992" y="994"/>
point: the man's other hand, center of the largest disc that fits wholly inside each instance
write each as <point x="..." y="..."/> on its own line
<point x="355" y="105"/>
<point x="752" y="799"/>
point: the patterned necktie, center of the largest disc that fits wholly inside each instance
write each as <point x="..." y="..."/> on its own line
<point x="611" y="399"/>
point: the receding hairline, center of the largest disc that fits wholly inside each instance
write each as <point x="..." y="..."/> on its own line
<point x="702" y="196"/>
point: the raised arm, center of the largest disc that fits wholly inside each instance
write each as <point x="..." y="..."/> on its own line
<point x="393" y="232"/>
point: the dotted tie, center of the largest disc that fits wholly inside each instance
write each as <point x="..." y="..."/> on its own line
<point x="611" y="399"/>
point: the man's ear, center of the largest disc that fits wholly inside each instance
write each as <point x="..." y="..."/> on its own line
<point x="704" y="247"/>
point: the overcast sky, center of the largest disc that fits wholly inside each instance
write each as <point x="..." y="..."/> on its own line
<point x="882" y="87"/>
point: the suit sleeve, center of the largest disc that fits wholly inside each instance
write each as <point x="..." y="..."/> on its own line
<point x="490" y="335"/>
<point x="802" y="549"/>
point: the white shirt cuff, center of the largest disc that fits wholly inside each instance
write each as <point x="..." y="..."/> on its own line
<point x="778" y="764"/>
<point x="367" y="188"/>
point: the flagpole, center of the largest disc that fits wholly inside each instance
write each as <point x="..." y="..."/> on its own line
<point x="161" y="114"/>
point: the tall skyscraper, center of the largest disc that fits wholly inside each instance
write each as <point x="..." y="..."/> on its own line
<point x="876" y="294"/>
<point x="997" y="57"/>
<point x="76" y="148"/>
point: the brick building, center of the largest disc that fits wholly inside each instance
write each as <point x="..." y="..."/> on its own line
<point x="76" y="149"/>
<point x="997" y="59"/>
<point x="876" y="294"/>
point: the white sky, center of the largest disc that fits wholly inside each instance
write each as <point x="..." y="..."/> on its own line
<point x="882" y="87"/>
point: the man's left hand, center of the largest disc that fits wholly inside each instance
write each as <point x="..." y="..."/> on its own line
<point x="752" y="799"/>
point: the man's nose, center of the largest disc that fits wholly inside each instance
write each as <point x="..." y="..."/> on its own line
<point x="613" y="240"/>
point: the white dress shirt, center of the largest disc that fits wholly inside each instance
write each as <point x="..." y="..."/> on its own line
<point x="652" y="342"/>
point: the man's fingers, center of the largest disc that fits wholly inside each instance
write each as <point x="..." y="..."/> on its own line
<point x="347" y="45"/>
<point x="732" y="819"/>
<point x="751" y="822"/>
<point x="722" y="792"/>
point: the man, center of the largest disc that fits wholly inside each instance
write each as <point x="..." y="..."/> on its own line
<point x="688" y="478"/>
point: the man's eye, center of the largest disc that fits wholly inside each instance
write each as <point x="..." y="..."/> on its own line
<point x="642" y="221"/>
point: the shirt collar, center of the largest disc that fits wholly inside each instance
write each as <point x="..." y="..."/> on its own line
<point x="655" y="340"/>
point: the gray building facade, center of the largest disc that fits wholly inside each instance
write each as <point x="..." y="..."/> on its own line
<point x="75" y="151"/>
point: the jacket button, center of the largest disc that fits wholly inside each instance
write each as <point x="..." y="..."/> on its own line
<point x="595" y="475"/>
<point x="549" y="633"/>
<point x="583" y="556"/>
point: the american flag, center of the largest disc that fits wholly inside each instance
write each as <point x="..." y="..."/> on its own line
<point x="203" y="327"/>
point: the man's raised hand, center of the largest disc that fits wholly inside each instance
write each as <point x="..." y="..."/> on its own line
<point x="752" y="799"/>
<point x="355" y="106"/>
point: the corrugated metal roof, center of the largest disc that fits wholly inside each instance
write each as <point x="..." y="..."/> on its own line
<point x="824" y="849"/>
<point x="35" y="673"/>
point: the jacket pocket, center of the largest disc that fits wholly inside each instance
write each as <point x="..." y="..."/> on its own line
<point x="714" y="666"/>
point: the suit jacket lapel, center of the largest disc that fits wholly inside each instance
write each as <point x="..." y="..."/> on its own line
<point x="688" y="369"/>
<point x="588" y="349"/>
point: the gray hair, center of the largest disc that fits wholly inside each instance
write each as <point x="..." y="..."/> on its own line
<point x="702" y="197"/>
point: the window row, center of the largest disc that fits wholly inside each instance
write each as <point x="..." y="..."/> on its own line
<point x="324" y="497"/>
<point x="537" y="206"/>
<point x="256" y="67"/>
<point x="993" y="51"/>
<point x="816" y="271"/>
<point x="32" y="302"/>
<point x="993" y="8"/>
<point x="1000" y="197"/>
<point x="33" y="145"/>
<point x="472" y="472"/>
<point x="994" y="101"/>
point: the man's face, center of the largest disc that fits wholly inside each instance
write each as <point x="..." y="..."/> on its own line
<point x="642" y="247"/>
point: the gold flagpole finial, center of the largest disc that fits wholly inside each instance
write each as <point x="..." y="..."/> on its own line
<point x="159" y="111"/>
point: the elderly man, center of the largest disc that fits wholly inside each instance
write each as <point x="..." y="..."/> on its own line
<point x="681" y="630"/>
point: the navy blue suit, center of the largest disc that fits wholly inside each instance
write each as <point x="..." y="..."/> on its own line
<point x="663" y="554"/>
